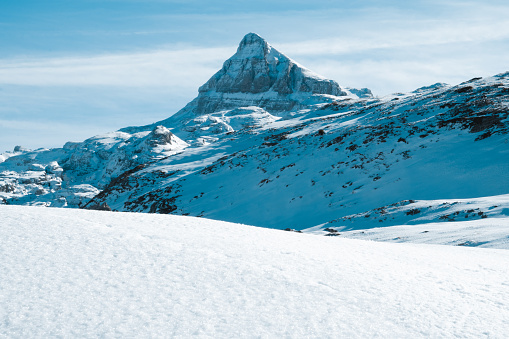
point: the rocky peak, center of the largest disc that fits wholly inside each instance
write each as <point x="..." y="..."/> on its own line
<point x="257" y="68"/>
<point x="160" y="135"/>
<point x="257" y="75"/>
<point x="253" y="45"/>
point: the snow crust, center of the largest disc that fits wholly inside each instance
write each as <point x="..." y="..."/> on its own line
<point x="77" y="273"/>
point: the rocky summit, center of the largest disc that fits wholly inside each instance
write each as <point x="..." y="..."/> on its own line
<point x="258" y="75"/>
<point x="268" y="142"/>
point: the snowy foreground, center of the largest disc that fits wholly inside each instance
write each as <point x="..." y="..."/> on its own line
<point x="70" y="273"/>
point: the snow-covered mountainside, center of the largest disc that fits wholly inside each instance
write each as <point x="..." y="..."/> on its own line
<point x="269" y="143"/>
<point x="336" y="160"/>
<point x="77" y="273"/>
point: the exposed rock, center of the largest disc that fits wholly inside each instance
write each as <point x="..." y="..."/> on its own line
<point x="19" y="149"/>
<point x="102" y="207"/>
<point x="361" y="92"/>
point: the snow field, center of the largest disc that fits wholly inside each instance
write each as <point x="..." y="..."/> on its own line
<point x="489" y="233"/>
<point x="77" y="273"/>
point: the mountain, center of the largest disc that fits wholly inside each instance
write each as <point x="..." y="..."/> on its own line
<point x="72" y="175"/>
<point x="257" y="75"/>
<point x="255" y="85"/>
<point x="269" y="143"/>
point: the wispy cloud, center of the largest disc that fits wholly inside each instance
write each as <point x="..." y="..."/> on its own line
<point x="156" y="68"/>
<point x="438" y="33"/>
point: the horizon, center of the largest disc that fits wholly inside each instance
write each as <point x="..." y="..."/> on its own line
<point x="71" y="71"/>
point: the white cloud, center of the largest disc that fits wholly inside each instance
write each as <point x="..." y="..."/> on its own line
<point x="441" y="33"/>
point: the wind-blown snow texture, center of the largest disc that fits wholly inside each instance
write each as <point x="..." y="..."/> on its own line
<point x="269" y="143"/>
<point x="77" y="273"/>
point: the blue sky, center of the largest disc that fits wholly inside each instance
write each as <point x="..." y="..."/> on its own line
<point x="73" y="69"/>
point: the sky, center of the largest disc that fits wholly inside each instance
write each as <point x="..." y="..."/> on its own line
<point x="70" y="70"/>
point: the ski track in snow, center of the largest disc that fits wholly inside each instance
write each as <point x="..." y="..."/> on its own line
<point x="77" y="273"/>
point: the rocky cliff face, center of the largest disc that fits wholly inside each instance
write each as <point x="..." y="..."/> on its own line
<point x="259" y="71"/>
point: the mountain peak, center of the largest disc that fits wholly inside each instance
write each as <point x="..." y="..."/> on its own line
<point x="253" y="45"/>
<point x="257" y="68"/>
<point x="252" y="38"/>
<point x="258" y="75"/>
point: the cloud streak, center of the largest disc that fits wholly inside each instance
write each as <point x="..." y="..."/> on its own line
<point x="156" y="68"/>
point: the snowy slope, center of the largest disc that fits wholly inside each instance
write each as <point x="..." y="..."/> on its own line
<point x="414" y="212"/>
<point x="488" y="233"/>
<point x="78" y="273"/>
<point x="337" y="160"/>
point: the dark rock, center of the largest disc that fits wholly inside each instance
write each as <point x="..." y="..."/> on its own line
<point x="330" y="230"/>
<point x="464" y="89"/>
<point x="103" y="207"/>
<point x="413" y="211"/>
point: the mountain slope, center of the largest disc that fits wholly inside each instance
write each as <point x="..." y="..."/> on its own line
<point x="83" y="273"/>
<point x="335" y="160"/>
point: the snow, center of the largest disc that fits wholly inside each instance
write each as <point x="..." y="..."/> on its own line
<point x="453" y="214"/>
<point x="489" y="233"/>
<point x="77" y="273"/>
